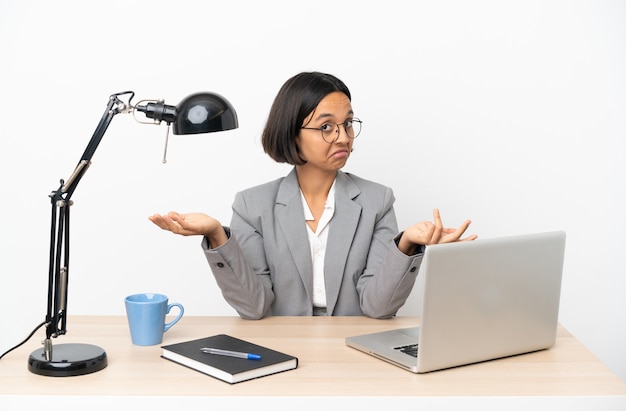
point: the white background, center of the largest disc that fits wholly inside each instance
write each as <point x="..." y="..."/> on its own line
<point x="512" y="114"/>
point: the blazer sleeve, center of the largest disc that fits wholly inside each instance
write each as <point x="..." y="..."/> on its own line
<point x="390" y="275"/>
<point x="245" y="282"/>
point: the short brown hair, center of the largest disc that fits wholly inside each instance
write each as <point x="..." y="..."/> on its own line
<point x="295" y="101"/>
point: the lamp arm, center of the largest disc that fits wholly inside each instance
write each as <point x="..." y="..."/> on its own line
<point x="58" y="269"/>
<point x="114" y="107"/>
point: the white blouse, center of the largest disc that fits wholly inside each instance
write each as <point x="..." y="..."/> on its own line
<point x="317" y="242"/>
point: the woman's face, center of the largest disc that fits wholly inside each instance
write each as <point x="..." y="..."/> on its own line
<point x="334" y="109"/>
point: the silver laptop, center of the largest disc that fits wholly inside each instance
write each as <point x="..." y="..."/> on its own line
<point x="482" y="300"/>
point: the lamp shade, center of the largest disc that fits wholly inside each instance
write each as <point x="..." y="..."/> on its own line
<point x="204" y="113"/>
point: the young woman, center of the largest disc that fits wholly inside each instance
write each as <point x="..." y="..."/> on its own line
<point x="317" y="241"/>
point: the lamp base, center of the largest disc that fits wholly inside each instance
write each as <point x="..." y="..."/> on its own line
<point x="68" y="360"/>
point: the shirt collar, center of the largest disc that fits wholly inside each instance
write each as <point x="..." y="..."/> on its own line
<point x="328" y="206"/>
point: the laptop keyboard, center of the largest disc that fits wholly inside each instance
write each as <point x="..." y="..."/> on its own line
<point x="410" y="349"/>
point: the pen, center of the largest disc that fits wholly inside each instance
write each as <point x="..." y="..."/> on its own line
<point x="217" y="351"/>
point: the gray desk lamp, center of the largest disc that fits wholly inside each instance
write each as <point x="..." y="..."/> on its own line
<point x="197" y="113"/>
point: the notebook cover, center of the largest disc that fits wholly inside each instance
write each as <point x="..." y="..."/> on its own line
<point x="235" y="369"/>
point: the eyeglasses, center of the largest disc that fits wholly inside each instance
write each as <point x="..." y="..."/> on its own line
<point x="330" y="131"/>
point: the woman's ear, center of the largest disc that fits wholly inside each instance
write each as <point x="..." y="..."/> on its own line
<point x="297" y="140"/>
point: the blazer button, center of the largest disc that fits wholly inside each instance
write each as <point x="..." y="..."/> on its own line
<point x="413" y="269"/>
<point x="220" y="265"/>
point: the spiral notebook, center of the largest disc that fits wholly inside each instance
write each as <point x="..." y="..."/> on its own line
<point x="482" y="300"/>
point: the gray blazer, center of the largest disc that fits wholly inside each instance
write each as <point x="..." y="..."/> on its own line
<point x="265" y="267"/>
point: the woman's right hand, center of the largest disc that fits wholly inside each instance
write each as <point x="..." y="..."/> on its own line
<point x="192" y="224"/>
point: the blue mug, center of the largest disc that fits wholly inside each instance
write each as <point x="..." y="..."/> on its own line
<point x="146" y="317"/>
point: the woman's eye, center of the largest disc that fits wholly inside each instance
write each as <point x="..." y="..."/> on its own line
<point x="326" y="127"/>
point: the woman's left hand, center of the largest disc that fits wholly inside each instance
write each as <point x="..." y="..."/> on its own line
<point x="428" y="233"/>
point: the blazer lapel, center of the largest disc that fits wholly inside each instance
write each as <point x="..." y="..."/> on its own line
<point x="342" y="230"/>
<point x="290" y="214"/>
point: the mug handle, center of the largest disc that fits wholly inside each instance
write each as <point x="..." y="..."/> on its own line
<point x="169" y="325"/>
